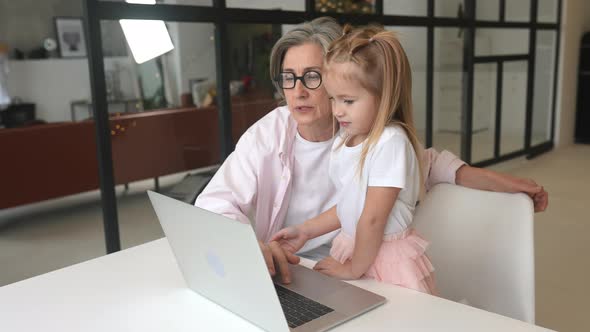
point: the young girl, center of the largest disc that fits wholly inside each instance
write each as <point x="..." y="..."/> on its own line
<point x="373" y="166"/>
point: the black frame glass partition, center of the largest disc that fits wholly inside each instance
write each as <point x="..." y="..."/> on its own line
<point x="462" y="21"/>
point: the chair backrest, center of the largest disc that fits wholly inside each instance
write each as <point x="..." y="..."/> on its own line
<point x="481" y="245"/>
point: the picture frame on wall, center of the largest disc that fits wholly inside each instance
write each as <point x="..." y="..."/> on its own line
<point x="199" y="88"/>
<point x="70" y="37"/>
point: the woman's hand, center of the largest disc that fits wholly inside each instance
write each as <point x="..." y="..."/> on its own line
<point x="333" y="268"/>
<point x="537" y="193"/>
<point x="484" y="179"/>
<point x="278" y="258"/>
<point x="291" y="238"/>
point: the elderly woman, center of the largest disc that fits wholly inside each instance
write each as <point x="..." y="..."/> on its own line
<point x="278" y="174"/>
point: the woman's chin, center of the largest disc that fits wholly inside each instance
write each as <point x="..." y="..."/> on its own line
<point x="304" y="118"/>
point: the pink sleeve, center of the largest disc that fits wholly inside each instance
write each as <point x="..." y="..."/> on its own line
<point x="232" y="190"/>
<point x="440" y="167"/>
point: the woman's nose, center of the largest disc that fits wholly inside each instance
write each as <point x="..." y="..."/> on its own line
<point x="300" y="89"/>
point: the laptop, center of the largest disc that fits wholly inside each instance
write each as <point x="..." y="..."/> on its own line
<point x="220" y="259"/>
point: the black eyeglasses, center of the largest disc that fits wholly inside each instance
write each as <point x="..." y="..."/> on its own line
<point x="310" y="79"/>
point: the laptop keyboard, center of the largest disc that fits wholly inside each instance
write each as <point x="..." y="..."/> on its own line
<point x="299" y="309"/>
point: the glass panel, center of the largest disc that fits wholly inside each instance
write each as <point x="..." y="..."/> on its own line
<point x="345" y="6"/>
<point x="501" y="41"/>
<point x="484" y="111"/>
<point x="449" y="8"/>
<point x="544" y="81"/>
<point x="547" y="11"/>
<point x="447" y="89"/>
<point x="120" y="73"/>
<point x="487" y="10"/>
<point x="169" y="2"/>
<point x="514" y="89"/>
<point x="175" y="134"/>
<point x="250" y="84"/>
<point x="49" y="206"/>
<point x="414" y="42"/>
<point x="406" y="7"/>
<point x="295" y="5"/>
<point x="518" y="10"/>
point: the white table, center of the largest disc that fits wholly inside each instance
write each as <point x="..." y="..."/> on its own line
<point x="141" y="289"/>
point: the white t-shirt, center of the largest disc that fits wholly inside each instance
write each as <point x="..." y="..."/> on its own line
<point x="390" y="163"/>
<point x="312" y="191"/>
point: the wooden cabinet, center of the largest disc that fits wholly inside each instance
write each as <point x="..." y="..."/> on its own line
<point x="54" y="160"/>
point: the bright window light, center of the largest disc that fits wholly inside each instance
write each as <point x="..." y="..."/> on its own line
<point x="147" y="39"/>
<point x="145" y="2"/>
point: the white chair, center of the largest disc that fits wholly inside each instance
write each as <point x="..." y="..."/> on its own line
<point x="481" y="245"/>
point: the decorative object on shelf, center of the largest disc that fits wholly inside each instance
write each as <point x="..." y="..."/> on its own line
<point x="18" y="54"/>
<point x="119" y="127"/>
<point x="210" y="97"/>
<point x="346" y="6"/>
<point x="37" y="53"/>
<point x="70" y="37"/>
<point x="113" y="82"/>
<point x="199" y="88"/>
<point x="50" y="45"/>
<point x="236" y="87"/>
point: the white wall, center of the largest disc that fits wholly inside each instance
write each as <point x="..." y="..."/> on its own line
<point x="544" y="82"/>
<point x="52" y="84"/>
<point x="194" y="53"/>
<point x="413" y="40"/>
<point x="575" y="20"/>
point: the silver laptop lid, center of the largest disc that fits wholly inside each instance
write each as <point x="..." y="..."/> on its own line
<point x="220" y="260"/>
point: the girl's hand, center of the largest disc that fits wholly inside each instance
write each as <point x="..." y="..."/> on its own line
<point x="333" y="268"/>
<point x="291" y="238"/>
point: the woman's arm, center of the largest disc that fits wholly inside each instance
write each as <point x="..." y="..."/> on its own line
<point x="445" y="167"/>
<point x="232" y="189"/>
<point x="484" y="179"/>
<point x="439" y="167"/>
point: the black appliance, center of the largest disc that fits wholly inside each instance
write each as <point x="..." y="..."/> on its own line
<point x="17" y="115"/>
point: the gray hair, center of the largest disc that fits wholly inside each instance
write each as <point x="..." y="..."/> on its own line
<point x="321" y="31"/>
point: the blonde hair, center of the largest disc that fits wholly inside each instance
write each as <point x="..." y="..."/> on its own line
<point x="386" y="75"/>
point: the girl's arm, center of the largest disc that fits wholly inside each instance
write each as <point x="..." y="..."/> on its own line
<point x="370" y="228"/>
<point x="322" y="224"/>
<point x="293" y="238"/>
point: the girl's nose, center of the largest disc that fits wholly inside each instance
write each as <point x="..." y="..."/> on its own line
<point x="336" y="111"/>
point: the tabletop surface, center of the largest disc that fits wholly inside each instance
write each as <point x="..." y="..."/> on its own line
<point x="142" y="289"/>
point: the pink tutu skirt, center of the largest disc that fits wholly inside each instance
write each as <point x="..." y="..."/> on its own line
<point x="401" y="260"/>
